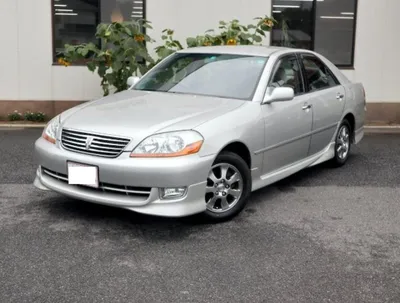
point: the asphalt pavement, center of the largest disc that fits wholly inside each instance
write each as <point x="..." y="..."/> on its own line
<point x="322" y="235"/>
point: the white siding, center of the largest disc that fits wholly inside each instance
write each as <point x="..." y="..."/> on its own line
<point x="377" y="49"/>
<point x="34" y="50"/>
<point x="27" y="72"/>
<point x="9" y="82"/>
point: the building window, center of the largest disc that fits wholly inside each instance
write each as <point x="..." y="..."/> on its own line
<point x="325" y="26"/>
<point x="75" y="21"/>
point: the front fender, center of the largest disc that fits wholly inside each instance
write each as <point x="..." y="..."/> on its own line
<point x="244" y="125"/>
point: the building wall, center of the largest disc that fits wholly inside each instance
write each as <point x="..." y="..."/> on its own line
<point x="377" y="49"/>
<point x="27" y="72"/>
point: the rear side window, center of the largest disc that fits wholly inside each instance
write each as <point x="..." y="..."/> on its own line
<point x="317" y="74"/>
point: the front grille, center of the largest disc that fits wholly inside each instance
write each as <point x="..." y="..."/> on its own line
<point x="143" y="192"/>
<point x="100" y="145"/>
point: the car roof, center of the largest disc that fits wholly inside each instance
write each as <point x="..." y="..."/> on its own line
<point x="250" y="50"/>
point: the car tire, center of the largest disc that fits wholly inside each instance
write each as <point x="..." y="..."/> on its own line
<point x="220" y="190"/>
<point x="343" y="142"/>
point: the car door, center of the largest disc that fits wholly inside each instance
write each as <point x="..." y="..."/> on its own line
<point x="287" y="123"/>
<point x="327" y="98"/>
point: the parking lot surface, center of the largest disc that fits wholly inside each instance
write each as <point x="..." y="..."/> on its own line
<point x="322" y="235"/>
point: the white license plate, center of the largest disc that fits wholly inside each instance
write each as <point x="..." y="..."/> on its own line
<point x="82" y="174"/>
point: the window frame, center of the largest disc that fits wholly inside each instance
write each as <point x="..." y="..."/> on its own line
<point x="314" y="16"/>
<point x="300" y="56"/>
<point x="275" y="68"/>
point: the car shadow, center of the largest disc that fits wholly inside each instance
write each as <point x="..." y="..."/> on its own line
<point x="66" y="208"/>
<point x="372" y="164"/>
<point x="121" y="222"/>
<point x="323" y="174"/>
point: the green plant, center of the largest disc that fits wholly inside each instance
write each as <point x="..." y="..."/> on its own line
<point x="35" y="117"/>
<point x="230" y="33"/>
<point x="170" y="46"/>
<point x="121" y="54"/>
<point x="234" y="33"/>
<point x="15" y="116"/>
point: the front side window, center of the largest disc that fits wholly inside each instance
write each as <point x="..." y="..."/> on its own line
<point x="288" y="74"/>
<point x="219" y="75"/>
<point x="318" y="76"/>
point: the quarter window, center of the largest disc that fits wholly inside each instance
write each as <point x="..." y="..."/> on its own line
<point x="288" y="74"/>
<point x="317" y="75"/>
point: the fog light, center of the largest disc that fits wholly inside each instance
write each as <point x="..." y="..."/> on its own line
<point x="172" y="192"/>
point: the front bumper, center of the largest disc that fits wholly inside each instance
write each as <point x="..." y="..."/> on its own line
<point x="123" y="174"/>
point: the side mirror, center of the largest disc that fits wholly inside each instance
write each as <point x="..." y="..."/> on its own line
<point x="279" y="94"/>
<point x="132" y="81"/>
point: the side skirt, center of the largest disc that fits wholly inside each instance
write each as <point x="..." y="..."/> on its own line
<point x="267" y="179"/>
<point x="358" y="135"/>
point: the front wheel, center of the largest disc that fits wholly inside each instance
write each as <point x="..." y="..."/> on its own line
<point x="228" y="187"/>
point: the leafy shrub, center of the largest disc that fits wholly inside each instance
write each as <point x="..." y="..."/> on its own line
<point x="230" y="33"/>
<point x="234" y="33"/>
<point x="122" y="53"/>
<point x="35" y="117"/>
<point x="170" y="45"/>
<point x="15" y="116"/>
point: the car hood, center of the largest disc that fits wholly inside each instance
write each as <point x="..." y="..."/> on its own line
<point x="137" y="114"/>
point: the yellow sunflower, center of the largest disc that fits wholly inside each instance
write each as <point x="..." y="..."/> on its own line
<point x="62" y="61"/>
<point x="139" y="38"/>
<point x="268" y="22"/>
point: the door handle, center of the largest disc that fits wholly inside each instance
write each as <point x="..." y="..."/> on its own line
<point x="339" y="96"/>
<point x="306" y="106"/>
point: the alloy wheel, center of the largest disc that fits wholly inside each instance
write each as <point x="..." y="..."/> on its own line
<point x="343" y="142"/>
<point x="224" y="187"/>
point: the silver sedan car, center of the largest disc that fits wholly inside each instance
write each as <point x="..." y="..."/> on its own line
<point x="202" y="130"/>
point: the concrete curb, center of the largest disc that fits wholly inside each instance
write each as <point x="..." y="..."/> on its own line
<point x="11" y="125"/>
<point x="382" y="129"/>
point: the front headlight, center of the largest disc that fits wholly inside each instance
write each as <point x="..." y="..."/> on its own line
<point x="172" y="144"/>
<point x="51" y="129"/>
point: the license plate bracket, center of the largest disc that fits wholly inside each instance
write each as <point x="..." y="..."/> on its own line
<point x="83" y="174"/>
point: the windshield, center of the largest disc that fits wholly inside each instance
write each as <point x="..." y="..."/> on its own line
<point x="219" y="75"/>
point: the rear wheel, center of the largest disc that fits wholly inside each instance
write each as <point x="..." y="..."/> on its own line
<point x="228" y="187"/>
<point x="342" y="144"/>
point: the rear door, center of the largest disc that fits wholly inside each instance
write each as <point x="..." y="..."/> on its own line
<point x="327" y="98"/>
